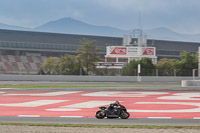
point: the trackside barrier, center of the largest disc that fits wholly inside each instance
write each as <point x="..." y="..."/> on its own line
<point x="6" y="77"/>
<point x="186" y="83"/>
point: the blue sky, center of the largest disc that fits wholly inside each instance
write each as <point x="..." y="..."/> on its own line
<point x="182" y="16"/>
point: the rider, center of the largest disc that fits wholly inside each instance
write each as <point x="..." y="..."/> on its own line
<point x="112" y="105"/>
<point x="116" y="103"/>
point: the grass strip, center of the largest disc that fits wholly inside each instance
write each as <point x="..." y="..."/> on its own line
<point x="80" y="86"/>
<point x="102" y="126"/>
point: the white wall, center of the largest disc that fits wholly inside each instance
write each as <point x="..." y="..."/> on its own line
<point x="91" y="78"/>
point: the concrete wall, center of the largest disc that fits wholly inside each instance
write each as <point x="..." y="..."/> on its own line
<point x="186" y="83"/>
<point x="90" y="78"/>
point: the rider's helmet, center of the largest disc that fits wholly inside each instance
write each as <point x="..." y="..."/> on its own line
<point x="117" y="102"/>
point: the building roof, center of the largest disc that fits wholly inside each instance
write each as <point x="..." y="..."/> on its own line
<point x="55" y="38"/>
<point x="72" y="39"/>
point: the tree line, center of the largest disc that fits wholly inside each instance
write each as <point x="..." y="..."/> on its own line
<point x="84" y="64"/>
<point x="81" y="64"/>
<point x="164" y="67"/>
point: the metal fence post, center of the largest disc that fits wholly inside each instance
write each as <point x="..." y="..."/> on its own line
<point x="193" y="73"/>
<point x="156" y="72"/>
<point x="174" y="72"/>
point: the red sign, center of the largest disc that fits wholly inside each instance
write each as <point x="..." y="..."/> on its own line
<point x="147" y="51"/>
<point x="118" y="50"/>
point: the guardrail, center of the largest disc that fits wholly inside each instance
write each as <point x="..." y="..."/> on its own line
<point x="67" y="78"/>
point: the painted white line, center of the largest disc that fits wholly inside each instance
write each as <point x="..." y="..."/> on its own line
<point x="194" y="107"/>
<point x="80" y="106"/>
<point x="71" y="116"/>
<point x="160" y="117"/>
<point x="33" y="103"/>
<point x="28" y="115"/>
<point x="123" y="94"/>
<point x="7" y="88"/>
<point x="89" y="104"/>
<point x="196" y="118"/>
<point x="63" y="109"/>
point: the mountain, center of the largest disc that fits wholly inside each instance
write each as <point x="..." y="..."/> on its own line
<point x="163" y="33"/>
<point x="12" y="27"/>
<point x="72" y="26"/>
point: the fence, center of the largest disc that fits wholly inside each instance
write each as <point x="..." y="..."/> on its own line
<point x="113" y="72"/>
<point x="149" y="72"/>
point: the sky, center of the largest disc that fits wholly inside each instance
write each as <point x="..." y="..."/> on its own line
<point x="182" y="16"/>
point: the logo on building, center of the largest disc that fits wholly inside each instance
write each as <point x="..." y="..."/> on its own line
<point x="147" y="51"/>
<point x="118" y="50"/>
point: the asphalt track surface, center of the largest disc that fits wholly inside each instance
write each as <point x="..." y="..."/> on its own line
<point x="131" y="121"/>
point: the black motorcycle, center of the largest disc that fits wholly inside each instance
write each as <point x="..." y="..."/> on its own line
<point x="112" y="111"/>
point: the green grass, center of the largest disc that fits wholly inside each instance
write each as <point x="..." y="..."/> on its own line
<point x="80" y="86"/>
<point x="105" y="126"/>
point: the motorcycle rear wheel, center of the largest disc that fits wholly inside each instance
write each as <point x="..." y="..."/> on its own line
<point x="100" y="115"/>
<point x="124" y="115"/>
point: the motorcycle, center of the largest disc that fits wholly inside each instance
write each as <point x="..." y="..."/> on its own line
<point x="112" y="111"/>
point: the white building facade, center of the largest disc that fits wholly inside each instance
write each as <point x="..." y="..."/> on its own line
<point x="117" y="56"/>
<point x="128" y="53"/>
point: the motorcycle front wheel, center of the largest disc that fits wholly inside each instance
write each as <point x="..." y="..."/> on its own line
<point x="124" y="115"/>
<point x="100" y="115"/>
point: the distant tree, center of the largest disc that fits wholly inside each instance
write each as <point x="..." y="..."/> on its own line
<point x="165" y="67"/>
<point x="176" y="67"/>
<point x="41" y="71"/>
<point x="164" y="64"/>
<point x="147" y="66"/>
<point x="182" y="67"/>
<point x="50" y="66"/>
<point x="188" y="63"/>
<point x="146" y="63"/>
<point x="69" y="65"/>
<point x="131" y="68"/>
<point x="88" y="55"/>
